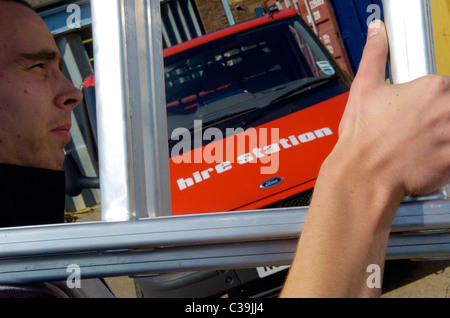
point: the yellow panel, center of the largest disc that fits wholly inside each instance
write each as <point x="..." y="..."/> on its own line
<point x="441" y="25"/>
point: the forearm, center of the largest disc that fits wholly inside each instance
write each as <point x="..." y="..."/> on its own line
<point x="347" y="229"/>
<point x="390" y="145"/>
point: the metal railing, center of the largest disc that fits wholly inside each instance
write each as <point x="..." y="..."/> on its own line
<point x="135" y="185"/>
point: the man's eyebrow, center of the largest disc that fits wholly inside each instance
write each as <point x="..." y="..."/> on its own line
<point x="43" y="55"/>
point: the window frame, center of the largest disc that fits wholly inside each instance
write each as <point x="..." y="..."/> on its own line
<point x="135" y="185"/>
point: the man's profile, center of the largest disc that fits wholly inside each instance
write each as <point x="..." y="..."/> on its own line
<point x="36" y="101"/>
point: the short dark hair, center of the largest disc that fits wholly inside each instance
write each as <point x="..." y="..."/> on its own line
<point x="23" y="2"/>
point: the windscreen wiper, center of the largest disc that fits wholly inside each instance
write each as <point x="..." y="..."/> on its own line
<point x="303" y="88"/>
<point x="213" y="123"/>
<point x="260" y="112"/>
<point x="300" y="89"/>
<point x="226" y="118"/>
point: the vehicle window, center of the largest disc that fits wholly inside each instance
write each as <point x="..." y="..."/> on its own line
<point x="316" y="60"/>
<point x="216" y="79"/>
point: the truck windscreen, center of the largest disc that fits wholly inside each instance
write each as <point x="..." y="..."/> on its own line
<point x="239" y="73"/>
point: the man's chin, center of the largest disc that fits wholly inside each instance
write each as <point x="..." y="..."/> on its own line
<point x="53" y="162"/>
<point x="59" y="163"/>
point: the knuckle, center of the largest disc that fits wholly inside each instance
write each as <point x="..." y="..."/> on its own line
<point x="436" y="83"/>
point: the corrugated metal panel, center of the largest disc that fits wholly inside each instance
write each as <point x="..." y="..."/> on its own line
<point x="59" y="20"/>
<point x="39" y="3"/>
<point x="351" y="17"/>
<point x="319" y="15"/>
<point x="181" y="22"/>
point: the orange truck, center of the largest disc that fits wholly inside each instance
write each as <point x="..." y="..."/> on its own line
<point x="252" y="110"/>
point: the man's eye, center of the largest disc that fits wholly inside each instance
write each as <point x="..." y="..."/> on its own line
<point x="39" y="65"/>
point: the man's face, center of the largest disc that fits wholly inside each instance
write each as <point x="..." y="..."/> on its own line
<point x="36" y="99"/>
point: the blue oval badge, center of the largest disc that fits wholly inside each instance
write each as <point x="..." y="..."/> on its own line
<point x="271" y="183"/>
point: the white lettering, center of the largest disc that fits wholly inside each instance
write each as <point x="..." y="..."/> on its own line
<point x="285" y="143"/>
<point x="320" y="133"/>
<point x="272" y="152"/>
<point x="306" y="137"/>
<point x="257" y="153"/>
<point x="263" y="155"/>
<point x="180" y="152"/>
<point x="245" y="158"/>
<point x="248" y="308"/>
<point x="198" y="141"/>
<point x="273" y="148"/>
<point x="376" y="14"/>
<point x="213" y="309"/>
<point x="197" y="177"/>
<point x="74" y="279"/>
<point x="374" y="279"/>
<point x="316" y="15"/>
<point x="213" y="152"/>
<point x="183" y="184"/>
<point x="315" y="3"/>
<point x="205" y="174"/>
<point x="74" y="20"/>
<point x="294" y="140"/>
<point x="221" y="168"/>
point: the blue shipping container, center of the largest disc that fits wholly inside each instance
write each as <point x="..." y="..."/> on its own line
<point x="351" y="17"/>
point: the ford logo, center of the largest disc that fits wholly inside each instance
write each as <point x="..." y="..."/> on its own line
<point x="271" y="183"/>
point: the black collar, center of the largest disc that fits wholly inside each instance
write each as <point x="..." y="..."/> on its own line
<point x="31" y="196"/>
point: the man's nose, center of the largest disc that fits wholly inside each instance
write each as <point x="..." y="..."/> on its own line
<point x="69" y="96"/>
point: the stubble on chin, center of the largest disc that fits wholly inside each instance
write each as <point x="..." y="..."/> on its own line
<point x="53" y="161"/>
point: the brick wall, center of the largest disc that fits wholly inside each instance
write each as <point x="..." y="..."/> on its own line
<point x="212" y="14"/>
<point x="243" y="10"/>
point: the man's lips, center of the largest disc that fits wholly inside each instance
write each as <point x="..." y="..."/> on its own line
<point x="63" y="131"/>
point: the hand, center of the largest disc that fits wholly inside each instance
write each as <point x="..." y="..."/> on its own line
<point x="403" y="129"/>
<point x="394" y="141"/>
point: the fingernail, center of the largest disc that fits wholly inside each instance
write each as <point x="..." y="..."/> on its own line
<point x="374" y="28"/>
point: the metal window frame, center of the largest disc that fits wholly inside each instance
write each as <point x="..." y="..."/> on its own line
<point x="136" y="235"/>
<point x="411" y="39"/>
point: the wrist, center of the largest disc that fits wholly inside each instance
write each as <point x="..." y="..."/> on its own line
<point x="346" y="230"/>
<point x="347" y="227"/>
<point x="363" y="179"/>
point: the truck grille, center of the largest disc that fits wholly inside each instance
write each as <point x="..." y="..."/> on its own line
<point x="302" y="199"/>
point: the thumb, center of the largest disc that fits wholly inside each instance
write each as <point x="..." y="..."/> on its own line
<point x="372" y="69"/>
